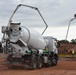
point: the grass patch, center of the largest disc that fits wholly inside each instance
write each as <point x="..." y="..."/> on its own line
<point x="66" y="55"/>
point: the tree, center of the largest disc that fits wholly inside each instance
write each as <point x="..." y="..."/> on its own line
<point x="73" y="41"/>
<point x="64" y="41"/>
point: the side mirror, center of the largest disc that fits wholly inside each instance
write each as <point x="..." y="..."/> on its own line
<point x="58" y="44"/>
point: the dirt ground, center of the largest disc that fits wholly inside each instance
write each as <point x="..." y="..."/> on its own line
<point x="64" y="67"/>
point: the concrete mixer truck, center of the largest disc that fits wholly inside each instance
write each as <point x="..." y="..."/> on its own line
<point x="24" y="46"/>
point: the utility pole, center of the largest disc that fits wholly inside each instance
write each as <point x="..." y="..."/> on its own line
<point x="69" y="26"/>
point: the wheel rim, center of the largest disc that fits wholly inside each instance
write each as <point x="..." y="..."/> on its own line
<point x="54" y="61"/>
<point x="33" y="65"/>
<point x="49" y="62"/>
<point x="39" y="63"/>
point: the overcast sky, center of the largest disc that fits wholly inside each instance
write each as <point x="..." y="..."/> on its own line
<point x="57" y="14"/>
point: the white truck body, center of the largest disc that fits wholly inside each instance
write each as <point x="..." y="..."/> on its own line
<point x="51" y="43"/>
<point x="24" y="45"/>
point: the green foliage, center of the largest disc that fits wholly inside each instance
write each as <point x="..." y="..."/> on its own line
<point x="64" y="41"/>
<point x="73" y="41"/>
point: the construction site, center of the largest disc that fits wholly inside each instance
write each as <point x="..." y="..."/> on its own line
<point x="25" y="51"/>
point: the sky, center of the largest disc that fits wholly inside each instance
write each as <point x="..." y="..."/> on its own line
<point x="57" y="14"/>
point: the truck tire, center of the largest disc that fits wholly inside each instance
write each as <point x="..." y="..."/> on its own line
<point x="33" y="63"/>
<point x="54" y="60"/>
<point x="48" y="64"/>
<point x="39" y="63"/>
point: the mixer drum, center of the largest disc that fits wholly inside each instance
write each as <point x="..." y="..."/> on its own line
<point x="33" y="38"/>
<point x="27" y="35"/>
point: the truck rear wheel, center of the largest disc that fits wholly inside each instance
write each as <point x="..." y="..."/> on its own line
<point x="39" y="63"/>
<point x="48" y="64"/>
<point x="54" y="60"/>
<point x="33" y="63"/>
